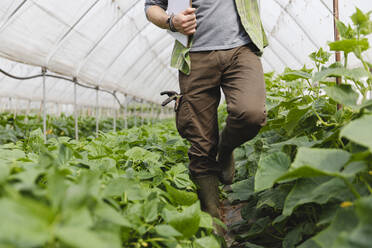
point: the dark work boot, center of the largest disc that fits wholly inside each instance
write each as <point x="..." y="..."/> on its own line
<point x="225" y="159"/>
<point x="209" y="197"/>
<point x="227" y="163"/>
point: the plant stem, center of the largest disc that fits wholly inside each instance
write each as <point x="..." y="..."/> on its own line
<point x="346" y="60"/>
<point x="366" y="67"/>
<point x="352" y="188"/>
<point x="367" y="184"/>
<point x="274" y="236"/>
<point x="322" y="121"/>
<point x="342" y="143"/>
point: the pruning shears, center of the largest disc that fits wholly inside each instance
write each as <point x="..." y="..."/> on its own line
<point x="172" y="96"/>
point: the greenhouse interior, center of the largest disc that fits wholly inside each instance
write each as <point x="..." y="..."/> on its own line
<point x="95" y="154"/>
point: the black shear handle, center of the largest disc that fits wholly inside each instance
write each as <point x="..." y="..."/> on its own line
<point x="172" y="95"/>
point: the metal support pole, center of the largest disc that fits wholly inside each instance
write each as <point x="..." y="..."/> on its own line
<point x="336" y="15"/>
<point x="28" y="110"/>
<point x="152" y="114"/>
<point x="126" y="113"/>
<point x="75" y="112"/>
<point x="14" y="103"/>
<point x="142" y="115"/>
<point x="157" y="113"/>
<point x="97" y="114"/>
<point x="59" y="110"/>
<point x="135" y="115"/>
<point x="114" y="117"/>
<point x="43" y="71"/>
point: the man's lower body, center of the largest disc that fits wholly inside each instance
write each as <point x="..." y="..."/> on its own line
<point x="238" y="72"/>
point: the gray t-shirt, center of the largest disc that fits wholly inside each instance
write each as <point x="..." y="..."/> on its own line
<point x="218" y="24"/>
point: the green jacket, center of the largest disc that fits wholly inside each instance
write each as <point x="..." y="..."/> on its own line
<point x="249" y="16"/>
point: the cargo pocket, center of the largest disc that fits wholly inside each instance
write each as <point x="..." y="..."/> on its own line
<point x="183" y="117"/>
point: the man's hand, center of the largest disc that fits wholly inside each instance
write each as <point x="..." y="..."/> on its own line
<point x="185" y="22"/>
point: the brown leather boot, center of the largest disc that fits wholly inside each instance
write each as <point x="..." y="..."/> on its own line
<point x="209" y="197"/>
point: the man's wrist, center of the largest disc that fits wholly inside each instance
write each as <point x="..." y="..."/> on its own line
<point x="171" y="24"/>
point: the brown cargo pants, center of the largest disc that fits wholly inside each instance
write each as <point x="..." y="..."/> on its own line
<point x="239" y="73"/>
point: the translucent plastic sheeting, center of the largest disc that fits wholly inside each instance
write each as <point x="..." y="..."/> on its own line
<point x="100" y="42"/>
<point x="110" y="43"/>
<point x="297" y="28"/>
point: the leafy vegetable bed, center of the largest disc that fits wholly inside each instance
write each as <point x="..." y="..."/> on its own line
<point x="125" y="189"/>
<point x="13" y="128"/>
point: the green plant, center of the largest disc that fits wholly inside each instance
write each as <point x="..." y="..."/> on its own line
<point x="305" y="181"/>
<point x="125" y="189"/>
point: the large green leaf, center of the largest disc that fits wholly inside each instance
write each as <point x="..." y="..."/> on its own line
<point x="302" y="141"/>
<point x="150" y="210"/>
<point x="361" y="236"/>
<point x="312" y="162"/>
<point x="257" y="227"/>
<point x="56" y="188"/>
<point x="348" y="229"/>
<point x="140" y="154"/>
<point x="107" y="213"/>
<point x="294" y="75"/>
<point x="349" y="45"/>
<point x="344" y="222"/>
<point x="167" y="231"/>
<point x="85" y="189"/>
<point x="206" y="220"/>
<point x="83" y="238"/>
<point x="343" y="94"/>
<point x="317" y="190"/>
<point x="11" y="155"/>
<point x="354" y="74"/>
<point x="185" y="222"/>
<point x="295" y="235"/>
<point x="269" y="169"/>
<point x="132" y="189"/>
<point x="207" y="242"/>
<point x="242" y="190"/>
<point x="346" y="32"/>
<point x="24" y="222"/>
<point x="273" y="197"/>
<point x="359" y="131"/>
<point x="4" y="172"/>
<point x="293" y="118"/>
<point x="362" y="21"/>
<point x="181" y="197"/>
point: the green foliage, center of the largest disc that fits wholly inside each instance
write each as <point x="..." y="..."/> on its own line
<point x="19" y="127"/>
<point x="125" y="189"/>
<point x="305" y="180"/>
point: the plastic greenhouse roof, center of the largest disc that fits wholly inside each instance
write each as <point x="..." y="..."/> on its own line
<point x="110" y="44"/>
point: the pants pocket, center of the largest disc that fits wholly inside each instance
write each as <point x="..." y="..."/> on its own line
<point x="183" y="117"/>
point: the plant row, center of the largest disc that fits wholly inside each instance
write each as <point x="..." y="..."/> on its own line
<point x="124" y="189"/>
<point x="15" y="127"/>
<point x="306" y="179"/>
